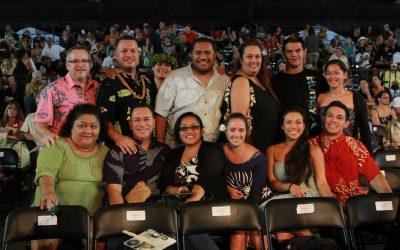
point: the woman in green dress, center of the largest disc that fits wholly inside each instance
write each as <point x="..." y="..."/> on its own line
<point x="70" y="172"/>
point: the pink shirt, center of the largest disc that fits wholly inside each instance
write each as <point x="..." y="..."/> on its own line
<point x="59" y="97"/>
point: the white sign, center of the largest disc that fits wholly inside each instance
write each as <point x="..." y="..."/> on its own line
<point x="221" y="211"/>
<point x="1" y="154"/>
<point x="135" y="215"/>
<point x="305" y="208"/>
<point x="384" y="205"/>
<point x="47" y="220"/>
<point x="390" y="157"/>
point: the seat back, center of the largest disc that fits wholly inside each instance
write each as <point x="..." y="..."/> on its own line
<point x="364" y="210"/>
<point x="387" y="159"/>
<point x="304" y="213"/>
<point x="30" y="223"/>
<point x="211" y="216"/>
<point x="206" y="216"/>
<point x="9" y="157"/>
<point x="110" y="220"/>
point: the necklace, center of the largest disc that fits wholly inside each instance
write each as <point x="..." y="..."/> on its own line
<point x="136" y="96"/>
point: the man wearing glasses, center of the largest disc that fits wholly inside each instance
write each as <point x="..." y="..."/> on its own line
<point x="59" y="97"/>
<point x="124" y="87"/>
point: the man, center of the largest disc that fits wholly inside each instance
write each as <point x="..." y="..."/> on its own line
<point x="198" y="88"/>
<point x="295" y="85"/>
<point x="53" y="51"/>
<point x="60" y="96"/>
<point x="108" y="61"/>
<point x="391" y="75"/>
<point x="124" y="88"/>
<point x="346" y="159"/>
<point x="133" y="178"/>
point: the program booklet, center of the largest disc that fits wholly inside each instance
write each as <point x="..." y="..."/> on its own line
<point x="149" y="239"/>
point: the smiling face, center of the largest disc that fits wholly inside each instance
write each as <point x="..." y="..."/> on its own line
<point x="335" y="76"/>
<point x="142" y="123"/>
<point x="335" y="121"/>
<point x="161" y="70"/>
<point x="236" y="132"/>
<point x="293" y="125"/>
<point x="78" y="64"/>
<point x="203" y="57"/>
<point x="85" y="131"/>
<point x="190" y="131"/>
<point x="127" y="55"/>
<point x="251" y="60"/>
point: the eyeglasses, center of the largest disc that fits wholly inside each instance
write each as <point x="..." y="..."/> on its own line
<point x="192" y="127"/>
<point x="79" y="61"/>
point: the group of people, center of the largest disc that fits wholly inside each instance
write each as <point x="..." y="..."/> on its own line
<point x="197" y="134"/>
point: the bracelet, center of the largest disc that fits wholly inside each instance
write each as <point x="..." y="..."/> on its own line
<point x="290" y="185"/>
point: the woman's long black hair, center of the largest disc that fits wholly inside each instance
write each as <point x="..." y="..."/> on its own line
<point x="297" y="161"/>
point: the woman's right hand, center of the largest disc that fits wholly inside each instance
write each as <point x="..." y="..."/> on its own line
<point x="234" y="193"/>
<point x="297" y="191"/>
<point x="48" y="198"/>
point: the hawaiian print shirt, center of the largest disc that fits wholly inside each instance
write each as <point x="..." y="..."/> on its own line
<point x="58" y="99"/>
<point x="116" y="100"/>
<point x="345" y="161"/>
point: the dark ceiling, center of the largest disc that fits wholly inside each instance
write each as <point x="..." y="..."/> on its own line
<point x="203" y="14"/>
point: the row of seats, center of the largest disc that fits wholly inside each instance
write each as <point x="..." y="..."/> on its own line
<point x="389" y="163"/>
<point x="72" y="222"/>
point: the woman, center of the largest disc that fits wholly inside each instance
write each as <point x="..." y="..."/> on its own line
<point x="251" y="94"/>
<point x="382" y="114"/>
<point x="70" y="172"/>
<point x="12" y="120"/>
<point x="295" y="167"/>
<point x="162" y="65"/>
<point x="244" y="171"/>
<point x="335" y="73"/>
<point x="377" y="86"/>
<point x="194" y="171"/>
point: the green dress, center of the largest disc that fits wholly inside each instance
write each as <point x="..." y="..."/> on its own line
<point x="77" y="179"/>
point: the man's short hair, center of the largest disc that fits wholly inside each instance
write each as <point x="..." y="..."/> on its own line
<point x="78" y="47"/>
<point x="205" y="40"/>
<point x="293" y="39"/>
<point x="125" y="38"/>
<point x="338" y="104"/>
<point x="143" y="105"/>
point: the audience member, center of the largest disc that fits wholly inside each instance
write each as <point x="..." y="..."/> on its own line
<point x="59" y="97"/>
<point x="295" y="85"/>
<point x="162" y="65"/>
<point x="124" y="88"/>
<point x="335" y="73"/>
<point x="12" y="120"/>
<point x="382" y="114"/>
<point x="70" y="172"/>
<point x="346" y="159"/>
<point x="245" y="172"/>
<point x="198" y="88"/>
<point x="194" y="171"/>
<point x="251" y="94"/>
<point x="296" y="167"/>
<point x="32" y="92"/>
<point x="134" y="178"/>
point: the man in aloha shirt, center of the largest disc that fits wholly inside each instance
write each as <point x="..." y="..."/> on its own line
<point x="198" y="88"/>
<point x="124" y="88"/>
<point x="346" y="159"/>
<point x="60" y="96"/>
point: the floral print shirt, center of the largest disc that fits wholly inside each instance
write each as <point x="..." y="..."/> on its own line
<point x="58" y="99"/>
<point x="116" y="100"/>
<point x="345" y="161"/>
